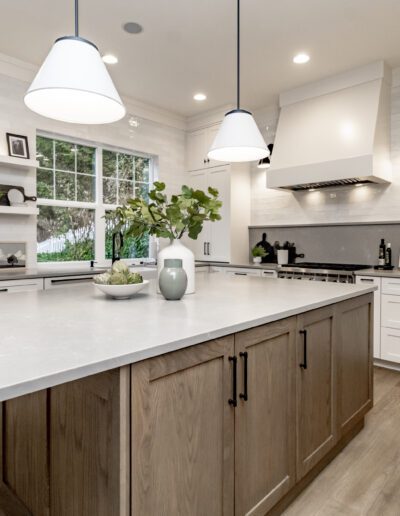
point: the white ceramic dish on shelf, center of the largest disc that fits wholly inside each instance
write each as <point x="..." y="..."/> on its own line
<point x="121" y="291"/>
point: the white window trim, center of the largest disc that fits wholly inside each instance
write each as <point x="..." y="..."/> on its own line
<point x="98" y="206"/>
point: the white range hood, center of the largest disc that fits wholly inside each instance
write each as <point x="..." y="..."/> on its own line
<point x="334" y="132"/>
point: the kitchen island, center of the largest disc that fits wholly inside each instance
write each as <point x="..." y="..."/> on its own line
<point x="227" y="402"/>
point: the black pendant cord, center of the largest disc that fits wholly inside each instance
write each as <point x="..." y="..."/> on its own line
<point x="76" y="19"/>
<point x="238" y="54"/>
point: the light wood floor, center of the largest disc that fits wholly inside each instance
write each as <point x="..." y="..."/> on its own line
<point x="364" y="479"/>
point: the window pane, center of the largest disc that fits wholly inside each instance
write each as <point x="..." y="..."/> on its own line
<point x="45" y="184"/>
<point x="86" y="159"/>
<point x="65" y="186"/>
<point x="125" y="191"/>
<point x="109" y="164"/>
<point x="132" y="248"/>
<point x="65" y="156"/>
<point x="142" y="191"/>
<point x="110" y="191"/>
<point x="44" y="151"/>
<point x="125" y="166"/>
<point x="65" y="234"/>
<point x="86" y="188"/>
<point x="142" y="169"/>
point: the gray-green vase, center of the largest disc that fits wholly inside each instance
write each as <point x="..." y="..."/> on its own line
<point x="173" y="279"/>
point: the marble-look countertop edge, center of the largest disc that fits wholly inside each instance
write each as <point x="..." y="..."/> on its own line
<point x="394" y="273"/>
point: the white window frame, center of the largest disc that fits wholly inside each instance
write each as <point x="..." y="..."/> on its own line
<point x="98" y="206"/>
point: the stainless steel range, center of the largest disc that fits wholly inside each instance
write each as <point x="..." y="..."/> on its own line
<point x="333" y="272"/>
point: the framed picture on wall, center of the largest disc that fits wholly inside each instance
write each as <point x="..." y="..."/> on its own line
<point x="17" y="146"/>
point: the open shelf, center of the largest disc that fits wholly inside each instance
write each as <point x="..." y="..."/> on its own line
<point x="20" y="163"/>
<point x="19" y="210"/>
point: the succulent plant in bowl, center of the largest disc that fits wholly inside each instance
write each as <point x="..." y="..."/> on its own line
<point x="119" y="282"/>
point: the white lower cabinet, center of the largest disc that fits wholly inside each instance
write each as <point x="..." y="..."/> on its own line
<point x="9" y="286"/>
<point x="370" y="280"/>
<point x="390" y="339"/>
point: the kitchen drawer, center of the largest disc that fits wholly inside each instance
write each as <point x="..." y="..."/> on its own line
<point x="390" y="344"/>
<point x="391" y="286"/>
<point x="203" y="268"/>
<point x="21" y="285"/>
<point x="67" y="281"/>
<point x="243" y="272"/>
<point x="269" y="274"/>
<point x="390" y="311"/>
<point x="371" y="280"/>
<point x="213" y="268"/>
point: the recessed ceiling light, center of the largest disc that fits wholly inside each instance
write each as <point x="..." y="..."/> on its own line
<point x="132" y="28"/>
<point x="199" y="97"/>
<point x="110" y="59"/>
<point x="301" y="58"/>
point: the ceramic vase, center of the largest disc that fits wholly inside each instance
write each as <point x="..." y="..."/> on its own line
<point x="173" y="279"/>
<point x="256" y="259"/>
<point x="176" y="250"/>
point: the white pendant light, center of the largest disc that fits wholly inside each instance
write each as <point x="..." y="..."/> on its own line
<point x="73" y="84"/>
<point x="238" y="138"/>
<point x="266" y="162"/>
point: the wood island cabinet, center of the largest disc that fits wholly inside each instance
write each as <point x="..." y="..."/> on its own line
<point x="316" y="387"/>
<point x="265" y="436"/>
<point x="183" y="432"/>
<point x="231" y="427"/>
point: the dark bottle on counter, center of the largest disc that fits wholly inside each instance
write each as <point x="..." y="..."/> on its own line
<point x="388" y="255"/>
<point x="382" y="253"/>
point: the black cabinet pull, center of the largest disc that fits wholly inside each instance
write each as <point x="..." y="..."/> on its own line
<point x="205" y="248"/>
<point x="233" y="401"/>
<point x="4" y="290"/>
<point x="303" y="365"/>
<point x="208" y="248"/>
<point x="243" y="395"/>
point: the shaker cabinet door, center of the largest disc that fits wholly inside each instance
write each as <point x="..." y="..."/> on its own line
<point x="265" y="459"/>
<point x="183" y="432"/>
<point x="316" y="387"/>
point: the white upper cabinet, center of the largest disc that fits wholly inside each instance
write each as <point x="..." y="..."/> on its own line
<point x="198" y="144"/>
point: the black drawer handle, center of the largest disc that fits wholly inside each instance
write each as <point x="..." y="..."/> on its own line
<point x="71" y="280"/>
<point x="233" y="401"/>
<point x="4" y="290"/>
<point x="243" y="395"/>
<point x="303" y="365"/>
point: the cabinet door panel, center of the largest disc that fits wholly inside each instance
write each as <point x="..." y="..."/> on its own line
<point x="196" y="150"/>
<point x="183" y="433"/>
<point x="316" y="408"/>
<point x="265" y="438"/>
<point x="24" y="483"/>
<point x="354" y="348"/>
<point x="220" y="241"/>
<point x="198" y="180"/>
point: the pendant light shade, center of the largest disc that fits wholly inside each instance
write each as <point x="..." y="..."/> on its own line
<point x="238" y="138"/>
<point x="73" y="84"/>
<point x="266" y="162"/>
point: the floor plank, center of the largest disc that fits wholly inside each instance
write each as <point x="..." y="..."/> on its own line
<point x="364" y="478"/>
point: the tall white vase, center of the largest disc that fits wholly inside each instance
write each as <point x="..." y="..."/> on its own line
<point x="177" y="250"/>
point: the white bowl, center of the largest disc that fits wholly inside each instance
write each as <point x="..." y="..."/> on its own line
<point x="122" y="291"/>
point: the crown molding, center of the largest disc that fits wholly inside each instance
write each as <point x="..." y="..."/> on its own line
<point x="25" y="72"/>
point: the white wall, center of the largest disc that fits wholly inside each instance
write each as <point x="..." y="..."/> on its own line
<point x="346" y="204"/>
<point x="156" y="138"/>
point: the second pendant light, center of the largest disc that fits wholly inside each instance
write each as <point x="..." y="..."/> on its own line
<point x="238" y="138"/>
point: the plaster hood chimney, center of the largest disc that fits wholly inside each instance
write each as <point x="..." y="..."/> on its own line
<point x="334" y="132"/>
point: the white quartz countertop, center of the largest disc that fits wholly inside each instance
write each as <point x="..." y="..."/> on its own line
<point x="52" y="337"/>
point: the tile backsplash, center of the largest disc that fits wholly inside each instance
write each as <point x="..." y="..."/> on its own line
<point x="353" y="243"/>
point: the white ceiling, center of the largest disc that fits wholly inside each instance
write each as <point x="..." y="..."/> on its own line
<point x="189" y="45"/>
